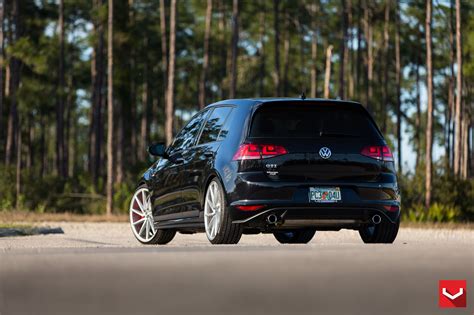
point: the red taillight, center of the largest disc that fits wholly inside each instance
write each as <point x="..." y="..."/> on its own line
<point x="250" y="208"/>
<point x="381" y="153"/>
<point x="249" y="151"/>
<point x="392" y="208"/>
<point x="387" y="154"/>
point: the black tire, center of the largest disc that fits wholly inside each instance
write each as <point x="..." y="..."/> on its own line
<point x="228" y="233"/>
<point x="383" y="233"/>
<point x="295" y="236"/>
<point x="162" y="236"/>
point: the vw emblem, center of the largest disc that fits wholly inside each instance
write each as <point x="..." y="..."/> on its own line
<point x="325" y="153"/>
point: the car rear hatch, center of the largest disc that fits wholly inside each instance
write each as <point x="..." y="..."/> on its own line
<point x="314" y="141"/>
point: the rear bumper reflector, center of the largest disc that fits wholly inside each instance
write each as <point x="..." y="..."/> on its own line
<point x="250" y="208"/>
<point x="392" y="208"/>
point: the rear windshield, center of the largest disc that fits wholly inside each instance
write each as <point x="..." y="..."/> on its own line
<point x="311" y="121"/>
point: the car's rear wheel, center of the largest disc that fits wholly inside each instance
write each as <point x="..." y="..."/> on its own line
<point x="384" y="232"/>
<point x="217" y="221"/>
<point x="142" y="221"/>
<point x="295" y="236"/>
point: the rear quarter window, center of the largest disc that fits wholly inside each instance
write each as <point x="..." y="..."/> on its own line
<point x="311" y="120"/>
<point x="186" y="138"/>
<point x="214" y="129"/>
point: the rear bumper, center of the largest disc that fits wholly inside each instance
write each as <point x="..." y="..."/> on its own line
<point x="311" y="215"/>
<point x="290" y="201"/>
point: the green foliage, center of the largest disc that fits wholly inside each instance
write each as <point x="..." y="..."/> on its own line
<point x="53" y="194"/>
<point x="7" y="189"/>
<point x="436" y="213"/>
<point x="122" y="197"/>
<point x="453" y="199"/>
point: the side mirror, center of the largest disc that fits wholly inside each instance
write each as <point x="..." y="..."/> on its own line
<point x="158" y="149"/>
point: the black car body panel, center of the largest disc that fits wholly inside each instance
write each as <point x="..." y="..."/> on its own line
<point x="279" y="184"/>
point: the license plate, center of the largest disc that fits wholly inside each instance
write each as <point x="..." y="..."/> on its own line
<point x="322" y="195"/>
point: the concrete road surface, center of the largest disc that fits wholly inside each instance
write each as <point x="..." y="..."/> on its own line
<point x="100" y="269"/>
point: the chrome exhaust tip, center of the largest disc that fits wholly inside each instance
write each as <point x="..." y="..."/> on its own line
<point x="272" y="219"/>
<point x="376" y="219"/>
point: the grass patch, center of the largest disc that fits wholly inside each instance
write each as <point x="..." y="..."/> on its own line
<point x="10" y="229"/>
<point x="14" y="226"/>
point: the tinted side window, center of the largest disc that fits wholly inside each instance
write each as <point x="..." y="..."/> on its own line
<point x="214" y="124"/>
<point x="187" y="136"/>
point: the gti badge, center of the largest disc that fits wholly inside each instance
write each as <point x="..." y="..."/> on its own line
<point x="325" y="153"/>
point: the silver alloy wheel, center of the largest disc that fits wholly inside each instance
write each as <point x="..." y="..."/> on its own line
<point x="213" y="210"/>
<point x="141" y="216"/>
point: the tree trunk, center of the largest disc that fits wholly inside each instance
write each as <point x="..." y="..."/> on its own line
<point x="398" y="83"/>
<point x="369" y="48"/>
<point x="327" y="76"/>
<point x="458" y="109"/>
<point x="119" y="144"/>
<point x="276" y="28"/>
<point x="171" y="69"/>
<point x="205" y="64"/>
<point x="302" y="73"/>
<point x="359" y="54"/>
<point x="164" y="49"/>
<point x="386" y="38"/>
<point x="18" y="170"/>
<point x="6" y="90"/>
<point x="128" y="112"/>
<point x="224" y="53"/>
<point x="235" y="41"/>
<point x="261" y="77"/>
<point x="146" y="114"/>
<point x="13" y="124"/>
<point x="72" y="143"/>
<point x="470" y="151"/>
<point x="67" y="124"/>
<point x="96" y="127"/>
<point x="429" y="112"/>
<point x="60" y="154"/>
<point x="30" y="157"/>
<point x="314" y="50"/>
<point x="42" y="146"/>
<point x="418" y="117"/>
<point x="2" y="11"/>
<point x="465" y="147"/>
<point x="350" y="50"/>
<point x="286" y="60"/>
<point x="342" y="52"/>
<point x="450" y="107"/>
<point x="110" y="109"/>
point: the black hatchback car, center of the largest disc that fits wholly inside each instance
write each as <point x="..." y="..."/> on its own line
<point x="284" y="166"/>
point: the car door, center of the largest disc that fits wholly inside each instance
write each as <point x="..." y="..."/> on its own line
<point x="168" y="197"/>
<point x="198" y="160"/>
<point x="164" y="180"/>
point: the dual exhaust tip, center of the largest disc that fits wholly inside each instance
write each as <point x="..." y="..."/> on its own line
<point x="376" y="219"/>
<point x="273" y="219"/>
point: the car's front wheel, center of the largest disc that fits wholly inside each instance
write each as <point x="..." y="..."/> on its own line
<point x="384" y="232"/>
<point x="142" y="222"/>
<point x="295" y="236"/>
<point x="217" y="220"/>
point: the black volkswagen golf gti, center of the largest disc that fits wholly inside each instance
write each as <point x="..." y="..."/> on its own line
<point x="284" y="166"/>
